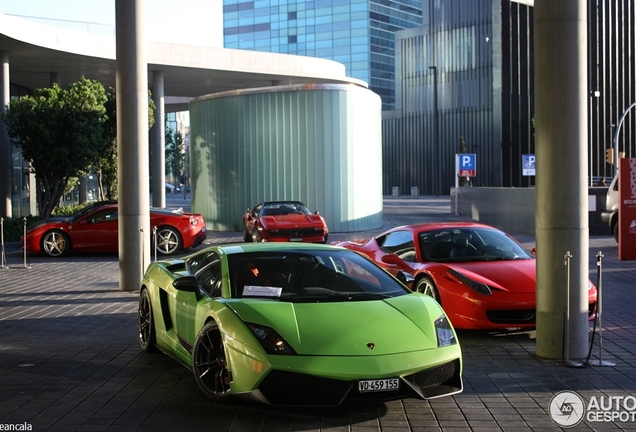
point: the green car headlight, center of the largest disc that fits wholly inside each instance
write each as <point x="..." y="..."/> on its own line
<point x="271" y="341"/>
<point x="445" y="334"/>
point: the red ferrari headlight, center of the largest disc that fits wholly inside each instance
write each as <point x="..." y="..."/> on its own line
<point x="481" y="288"/>
<point x="194" y="220"/>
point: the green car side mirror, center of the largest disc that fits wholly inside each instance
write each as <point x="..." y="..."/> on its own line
<point x="186" y="283"/>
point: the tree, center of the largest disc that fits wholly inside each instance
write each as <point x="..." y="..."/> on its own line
<point x="175" y="154"/>
<point x="59" y="132"/>
<point x="462" y="149"/>
<point x="105" y="163"/>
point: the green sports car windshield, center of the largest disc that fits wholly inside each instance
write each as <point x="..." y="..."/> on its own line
<point x="310" y="276"/>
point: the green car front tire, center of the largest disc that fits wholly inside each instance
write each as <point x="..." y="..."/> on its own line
<point x="209" y="363"/>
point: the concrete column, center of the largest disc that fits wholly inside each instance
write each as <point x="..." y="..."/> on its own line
<point x="55" y="78"/>
<point x="159" y="142"/>
<point x="561" y="190"/>
<point x="132" y="143"/>
<point x="5" y="144"/>
<point x="83" y="189"/>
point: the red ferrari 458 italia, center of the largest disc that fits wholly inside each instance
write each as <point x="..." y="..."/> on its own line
<point x="482" y="277"/>
<point x="95" y="229"/>
<point x="283" y="221"/>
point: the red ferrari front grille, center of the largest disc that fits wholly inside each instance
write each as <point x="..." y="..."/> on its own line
<point x="299" y="233"/>
<point x="517" y="316"/>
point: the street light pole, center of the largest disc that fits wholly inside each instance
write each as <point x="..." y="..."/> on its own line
<point x="616" y="132"/>
<point x="435" y="149"/>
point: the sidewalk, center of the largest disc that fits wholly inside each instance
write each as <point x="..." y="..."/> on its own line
<point x="70" y="360"/>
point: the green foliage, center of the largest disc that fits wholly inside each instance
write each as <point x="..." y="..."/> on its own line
<point x="66" y="134"/>
<point x="462" y="149"/>
<point x="60" y="132"/>
<point x="14" y="228"/>
<point x="175" y="154"/>
<point x="105" y="163"/>
<point x="69" y="209"/>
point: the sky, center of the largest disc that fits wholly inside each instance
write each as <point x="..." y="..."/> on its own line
<point x="190" y="22"/>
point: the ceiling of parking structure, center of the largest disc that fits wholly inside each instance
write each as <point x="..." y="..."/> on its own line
<point x="35" y="52"/>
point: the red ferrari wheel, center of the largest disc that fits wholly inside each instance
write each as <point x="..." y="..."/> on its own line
<point x="425" y="285"/>
<point x="55" y="243"/>
<point x="168" y="240"/>
<point x="247" y="237"/>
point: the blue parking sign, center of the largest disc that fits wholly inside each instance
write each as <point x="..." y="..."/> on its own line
<point x="528" y="164"/>
<point x="467" y="165"/>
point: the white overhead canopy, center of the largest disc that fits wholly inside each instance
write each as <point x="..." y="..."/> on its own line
<point x="36" y="51"/>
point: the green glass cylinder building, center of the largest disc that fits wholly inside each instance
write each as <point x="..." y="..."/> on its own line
<point x="315" y="143"/>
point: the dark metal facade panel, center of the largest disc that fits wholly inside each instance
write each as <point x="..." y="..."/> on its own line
<point x="469" y="73"/>
<point x="612" y="73"/>
<point x="447" y="69"/>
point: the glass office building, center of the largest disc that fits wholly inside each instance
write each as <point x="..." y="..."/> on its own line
<point x="465" y="84"/>
<point x="356" y="33"/>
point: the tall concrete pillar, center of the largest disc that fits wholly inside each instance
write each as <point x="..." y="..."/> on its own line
<point x="5" y="144"/>
<point x="159" y="142"/>
<point x="132" y="143"/>
<point x="561" y="182"/>
<point x="55" y="78"/>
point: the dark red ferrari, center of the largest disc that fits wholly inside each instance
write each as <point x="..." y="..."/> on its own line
<point x="95" y="229"/>
<point x="482" y="277"/>
<point x="283" y="221"/>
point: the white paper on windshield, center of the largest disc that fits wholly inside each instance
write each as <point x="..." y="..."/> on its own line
<point x="261" y="291"/>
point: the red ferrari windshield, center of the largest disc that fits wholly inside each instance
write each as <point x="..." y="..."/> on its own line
<point x="470" y="244"/>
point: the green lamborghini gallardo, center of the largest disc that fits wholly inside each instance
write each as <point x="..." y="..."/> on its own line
<point x="297" y="324"/>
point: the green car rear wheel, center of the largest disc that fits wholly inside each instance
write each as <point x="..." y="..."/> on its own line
<point x="145" y="323"/>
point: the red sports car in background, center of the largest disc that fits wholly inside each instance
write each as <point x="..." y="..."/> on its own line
<point x="95" y="229"/>
<point x="284" y="221"/>
<point x="482" y="277"/>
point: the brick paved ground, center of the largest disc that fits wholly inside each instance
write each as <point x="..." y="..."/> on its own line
<point x="69" y="358"/>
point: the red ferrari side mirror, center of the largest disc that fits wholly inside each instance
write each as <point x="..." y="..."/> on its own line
<point x="395" y="260"/>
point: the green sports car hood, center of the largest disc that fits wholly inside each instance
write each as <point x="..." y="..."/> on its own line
<point x="348" y="328"/>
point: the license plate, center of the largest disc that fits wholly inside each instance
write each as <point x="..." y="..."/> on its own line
<point x="295" y="239"/>
<point x="368" y="386"/>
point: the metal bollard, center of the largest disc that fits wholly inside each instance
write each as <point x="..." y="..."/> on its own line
<point x="26" y="263"/>
<point x="566" y="324"/>
<point x="154" y="235"/>
<point x="3" y="258"/>
<point x="599" y="313"/>
<point x="143" y="250"/>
